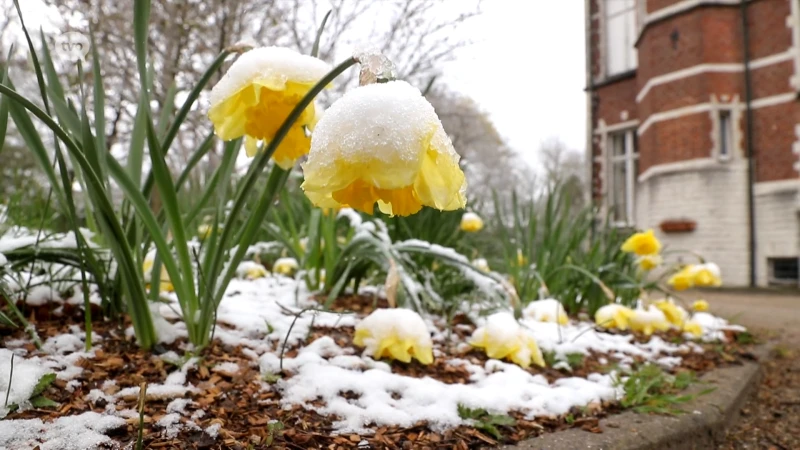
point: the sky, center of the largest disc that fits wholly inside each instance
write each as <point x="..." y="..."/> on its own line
<point x="526" y="68"/>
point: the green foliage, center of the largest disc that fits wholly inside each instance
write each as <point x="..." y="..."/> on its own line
<point x="484" y="421"/>
<point x="651" y="390"/>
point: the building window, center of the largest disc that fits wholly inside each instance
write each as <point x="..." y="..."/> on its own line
<point x="620" y="34"/>
<point x="623" y="155"/>
<point x="725" y="134"/>
<point x="785" y="271"/>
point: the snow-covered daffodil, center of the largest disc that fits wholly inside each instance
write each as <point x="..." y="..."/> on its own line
<point x="649" y="262"/>
<point x="481" y="264"/>
<point x="613" y="316"/>
<point x="383" y="143"/>
<point x="521" y="259"/>
<point x="547" y="310"/>
<point x="644" y="243"/>
<point x="251" y="270"/>
<point x="682" y="279"/>
<point x="693" y="327"/>
<point x="648" y="320"/>
<point x="700" y="306"/>
<point x="147" y="268"/>
<point x="675" y="314"/>
<point x="257" y="94"/>
<point x="471" y="222"/>
<point x="503" y="338"/>
<point x="707" y="275"/>
<point x="204" y="231"/>
<point x="285" y="266"/>
<point x="395" y="333"/>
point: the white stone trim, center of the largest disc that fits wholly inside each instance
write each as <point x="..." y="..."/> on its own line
<point x="796" y="151"/>
<point x="674" y="114"/>
<point x="734" y="108"/>
<point x="793" y="22"/>
<point x="616" y="127"/>
<point x="689" y="165"/>
<point x="775" y="58"/>
<point x="763" y="188"/>
<point x="773" y="100"/>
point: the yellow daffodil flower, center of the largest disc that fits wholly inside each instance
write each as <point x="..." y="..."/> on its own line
<point x="471" y="222"/>
<point x="396" y="333"/>
<point x="648" y="320"/>
<point x="700" y="306"/>
<point x="521" y="259"/>
<point x="613" y="316"/>
<point x="649" y="262"/>
<point x="503" y="338"/>
<point x="257" y="94"/>
<point x="644" y="243"/>
<point x="707" y="275"/>
<point x="675" y="314"/>
<point x="204" y="231"/>
<point x="683" y="279"/>
<point x="547" y="310"/>
<point x="481" y="264"/>
<point x="147" y="268"/>
<point x="383" y="143"/>
<point x="694" y="328"/>
<point x="251" y="270"/>
<point x="285" y="266"/>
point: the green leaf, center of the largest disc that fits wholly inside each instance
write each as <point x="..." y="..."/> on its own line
<point x="315" y="48"/>
<point x="141" y="20"/>
<point x="43" y="383"/>
<point x="99" y="107"/>
<point x="3" y="111"/>
<point x="40" y="401"/>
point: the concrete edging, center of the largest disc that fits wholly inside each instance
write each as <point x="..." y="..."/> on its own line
<point x="702" y="427"/>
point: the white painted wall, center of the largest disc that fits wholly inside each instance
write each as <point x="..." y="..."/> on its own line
<point x="777" y="225"/>
<point x="714" y="196"/>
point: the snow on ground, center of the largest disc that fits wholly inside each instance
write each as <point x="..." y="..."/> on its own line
<point x="258" y="314"/>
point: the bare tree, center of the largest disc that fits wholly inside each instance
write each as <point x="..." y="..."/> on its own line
<point x="563" y="168"/>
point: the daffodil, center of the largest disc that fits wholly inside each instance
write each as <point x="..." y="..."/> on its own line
<point x="613" y="316"/>
<point x="396" y="333"/>
<point x="481" y="264"/>
<point x="147" y="268"/>
<point x="649" y="262"/>
<point x="471" y="222"/>
<point x="503" y="338"/>
<point x="648" y="320"/>
<point x="258" y="93"/>
<point x="521" y="259"/>
<point x="285" y="266"/>
<point x="682" y="279"/>
<point x="675" y="314"/>
<point x="707" y="275"/>
<point x="383" y="143"/>
<point x="547" y="310"/>
<point x="693" y="327"/>
<point x="251" y="270"/>
<point x="700" y="306"/>
<point x="204" y="231"/>
<point x="644" y="243"/>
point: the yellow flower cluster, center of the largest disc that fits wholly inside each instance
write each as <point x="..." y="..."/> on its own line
<point x="648" y="321"/>
<point x="647" y="247"/>
<point x="399" y="334"/>
<point x="613" y="316"/>
<point x="503" y="338"/>
<point x="700" y="275"/>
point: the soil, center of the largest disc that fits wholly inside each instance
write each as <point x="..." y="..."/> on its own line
<point x="248" y="411"/>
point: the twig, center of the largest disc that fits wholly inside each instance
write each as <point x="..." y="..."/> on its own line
<point x="10" y="377"/>
<point x="142" y="397"/>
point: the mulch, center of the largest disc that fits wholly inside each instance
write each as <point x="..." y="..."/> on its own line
<point x="247" y="410"/>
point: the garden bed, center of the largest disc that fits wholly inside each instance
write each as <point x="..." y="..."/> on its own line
<point x="325" y="394"/>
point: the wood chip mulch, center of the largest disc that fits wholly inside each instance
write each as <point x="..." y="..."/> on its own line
<point x="245" y="410"/>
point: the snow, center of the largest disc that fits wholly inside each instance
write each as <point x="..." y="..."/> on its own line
<point x="400" y="324"/>
<point x="77" y="432"/>
<point x="26" y="373"/>
<point x="546" y="310"/>
<point x="226" y="368"/>
<point x="273" y="66"/>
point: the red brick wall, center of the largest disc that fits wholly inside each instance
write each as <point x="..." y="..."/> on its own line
<point x="766" y="20"/>
<point x="773" y="134"/>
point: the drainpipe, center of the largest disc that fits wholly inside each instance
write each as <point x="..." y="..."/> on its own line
<point x="751" y="156"/>
<point x="589" y="115"/>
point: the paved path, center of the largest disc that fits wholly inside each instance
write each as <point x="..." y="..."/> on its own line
<point x="778" y="312"/>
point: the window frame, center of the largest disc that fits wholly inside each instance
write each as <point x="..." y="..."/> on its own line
<point x="629" y="159"/>
<point x="607" y="16"/>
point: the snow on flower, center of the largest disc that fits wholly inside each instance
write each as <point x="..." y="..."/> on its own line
<point x="471" y="222"/>
<point x="257" y="94"/>
<point x="383" y="143"/>
<point x="675" y="314"/>
<point x="648" y="320"/>
<point x="547" y="310"/>
<point x="649" y="262"/>
<point x="285" y="266"/>
<point x="613" y="316"/>
<point x="503" y="338"/>
<point x="644" y="243"/>
<point x="481" y="264"/>
<point x="251" y="270"/>
<point x="700" y="275"/>
<point x="395" y="333"/>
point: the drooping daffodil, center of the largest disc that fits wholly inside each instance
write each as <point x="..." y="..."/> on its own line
<point x="251" y="270"/>
<point x="547" y="310"/>
<point x="643" y="243"/>
<point x="165" y="285"/>
<point x="481" y="264"/>
<point x="613" y="316"/>
<point x="682" y="279"/>
<point x="383" y="143"/>
<point x="649" y="262"/>
<point x="471" y="222"/>
<point x="675" y="314"/>
<point x="503" y="338"/>
<point x="700" y="275"/>
<point x="395" y="333"/>
<point x="259" y="92"/>
<point x="648" y="320"/>
<point x="700" y="306"/>
<point x="693" y="328"/>
<point x="285" y="266"/>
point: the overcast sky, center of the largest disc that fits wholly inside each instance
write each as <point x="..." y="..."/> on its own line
<point x="526" y="68"/>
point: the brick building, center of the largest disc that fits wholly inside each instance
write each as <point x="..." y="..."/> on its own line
<point x="694" y="127"/>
